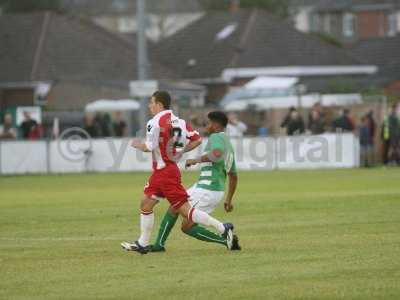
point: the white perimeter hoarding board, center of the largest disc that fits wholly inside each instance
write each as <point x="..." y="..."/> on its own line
<point x="116" y="155"/>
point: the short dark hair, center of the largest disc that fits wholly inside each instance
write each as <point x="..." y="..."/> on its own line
<point x="163" y="97"/>
<point x="218" y="117"/>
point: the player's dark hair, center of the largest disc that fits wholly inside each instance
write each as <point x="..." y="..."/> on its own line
<point x="218" y="117"/>
<point x="163" y="97"/>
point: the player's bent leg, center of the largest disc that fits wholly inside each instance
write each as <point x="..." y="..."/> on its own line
<point x="148" y="202"/>
<point x="202" y="234"/>
<point x="166" y="226"/>
<point x="186" y="225"/>
<point x="198" y="216"/>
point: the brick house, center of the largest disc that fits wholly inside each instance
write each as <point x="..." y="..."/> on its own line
<point x="63" y="62"/>
<point x="353" y="20"/>
<point x="384" y="53"/>
<point x="224" y="49"/>
<point x="119" y="16"/>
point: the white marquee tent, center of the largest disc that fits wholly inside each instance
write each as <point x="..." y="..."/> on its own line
<point x="112" y="105"/>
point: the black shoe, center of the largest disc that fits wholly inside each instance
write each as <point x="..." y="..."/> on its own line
<point x="135" y="246"/>
<point x="235" y="243"/>
<point x="228" y="234"/>
<point x="154" y="248"/>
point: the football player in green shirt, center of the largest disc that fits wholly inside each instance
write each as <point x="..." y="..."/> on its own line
<point x="217" y="163"/>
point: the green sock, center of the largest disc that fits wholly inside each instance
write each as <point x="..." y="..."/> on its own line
<point x="167" y="224"/>
<point x="203" y="234"/>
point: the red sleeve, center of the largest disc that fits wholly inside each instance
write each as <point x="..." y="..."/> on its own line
<point x="192" y="134"/>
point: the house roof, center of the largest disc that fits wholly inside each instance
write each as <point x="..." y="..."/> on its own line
<point x="382" y="52"/>
<point x="51" y="46"/>
<point x="248" y="39"/>
<point x="123" y="7"/>
<point x="348" y="5"/>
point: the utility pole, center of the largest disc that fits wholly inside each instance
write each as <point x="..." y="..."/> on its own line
<point x="142" y="60"/>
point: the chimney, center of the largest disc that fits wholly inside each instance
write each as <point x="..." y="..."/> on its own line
<point x="234" y="6"/>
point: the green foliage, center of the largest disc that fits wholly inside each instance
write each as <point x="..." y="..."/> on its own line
<point x="328" y="38"/>
<point x="326" y="234"/>
<point x="342" y="86"/>
<point x="17" y="6"/>
<point x="373" y="91"/>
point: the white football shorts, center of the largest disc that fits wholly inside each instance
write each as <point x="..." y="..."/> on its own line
<point x="203" y="199"/>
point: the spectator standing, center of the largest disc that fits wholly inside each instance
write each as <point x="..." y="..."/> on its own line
<point x="119" y="125"/>
<point x="371" y="124"/>
<point x="7" y="131"/>
<point x="287" y="117"/>
<point x="36" y="132"/>
<point x="316" y="108"/>
<point x="391" y="137"/>
<point x="293" y="123"/>
<point x="385" y="137"/>
<point x="372" y="132"/>
<point x="28" y="125"/>
<point x="365" y="142"/>
<point x="106" y="125"/>
<point x="235" y="127"/>
<point x="91" y="127"/>
<point x="262" y="131"/>
<point x="316" y="124"/>
<point x="344" y="123"/>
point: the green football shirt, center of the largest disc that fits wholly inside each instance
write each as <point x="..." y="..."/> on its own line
<point x="213" y="174"/>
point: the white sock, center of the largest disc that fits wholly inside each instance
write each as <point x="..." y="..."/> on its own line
<point x="205" y="219"/>
<point x="146" y="226"/>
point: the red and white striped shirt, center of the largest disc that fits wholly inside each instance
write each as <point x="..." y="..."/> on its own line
<point x="166" y="135"/>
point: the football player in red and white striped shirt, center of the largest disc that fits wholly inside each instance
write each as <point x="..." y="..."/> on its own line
<point x="166" y="140"/>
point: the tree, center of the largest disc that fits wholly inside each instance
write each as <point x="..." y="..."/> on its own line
<point x="14" y="6"/>
<point x="278" y="7"/>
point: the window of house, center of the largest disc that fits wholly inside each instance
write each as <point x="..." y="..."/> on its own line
<point x="392" y="26"/>
<point x="349" y="25"/>
<point x="327" y="23"/>
<point x="314" y="22"/>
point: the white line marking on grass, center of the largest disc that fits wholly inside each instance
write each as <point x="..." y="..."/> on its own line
<point x="45" y="239"/>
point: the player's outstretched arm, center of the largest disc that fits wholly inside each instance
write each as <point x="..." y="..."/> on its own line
<point x="212" y="156"/>
<point x="137" y="144"/>
<point x="192" y="145"/>
<point x="233" y="180"/>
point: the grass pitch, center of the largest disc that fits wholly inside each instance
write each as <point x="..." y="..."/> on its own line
<point x="305" y="235"/>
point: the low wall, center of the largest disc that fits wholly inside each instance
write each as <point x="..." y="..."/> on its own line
<point x="115" y="155"/>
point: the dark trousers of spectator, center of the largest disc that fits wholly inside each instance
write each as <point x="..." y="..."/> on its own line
<point x="367" y="156"/>
<point x="394" y="156"/>
<point x="385" y="152"/>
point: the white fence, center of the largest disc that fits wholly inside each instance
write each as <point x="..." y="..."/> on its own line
<point x="115" y="155"/>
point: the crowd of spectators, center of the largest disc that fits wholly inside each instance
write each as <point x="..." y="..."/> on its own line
<point x="366" y="129"/>
<point x="101" y="125"/>
<point x="29" y="128"/>
<point x="294" y="124"/>
<point x="97" y="126"/>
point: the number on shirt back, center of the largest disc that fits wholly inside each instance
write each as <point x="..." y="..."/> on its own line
<point x="176" y="134"/>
